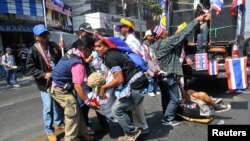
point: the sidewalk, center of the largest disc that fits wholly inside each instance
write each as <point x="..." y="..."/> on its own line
<point x="22" y="81"/>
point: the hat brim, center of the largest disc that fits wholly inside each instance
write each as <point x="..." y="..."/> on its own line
<point x="41" y="32"/>
<point x="89" y="31"/>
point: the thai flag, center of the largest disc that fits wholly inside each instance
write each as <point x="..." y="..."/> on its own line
<point x="158" y="30"/>
<point x="201" y="62"/>
<point x="213" y="67"/>
<point x="235" y="5"/>
<point x="236" y="73"/>
<point x="22" y="7"/>
<point x="217" y="6"/>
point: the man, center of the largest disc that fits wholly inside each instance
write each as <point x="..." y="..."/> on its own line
<point x="168" y="58"/>
<point x="127" y="28"/>
<point x="23" y="55"/>
<point x="68" y="75"/>
<point x="152" y="63"/>
<point x="86" y="36"/>
<point x="9" y="63"/>
<point x="42" y="57"/>
<point x="191" y="94"/>
<point x="125" y="73"/>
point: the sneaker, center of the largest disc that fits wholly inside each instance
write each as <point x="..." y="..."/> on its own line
<point x="172" y="123"/>
<point x="86" y="137"/>
<point x="216" y="100"/>
<point x="52" y="137"/>
<point x="16" y="85"/>
<point x="8" y="86"/>
<point x="59" y="127"/>
<point x="151" y="94"/>
<point x="144" y="130"/>
<point x="222" y="108"/>
<point x="130" y="137"/>
<point x="158" y="93"/>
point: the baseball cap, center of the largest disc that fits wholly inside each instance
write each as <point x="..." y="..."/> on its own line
<point x="39" y="29"/>
<point x="126" y="22"/>
<point x="86" y="27"/>
<point x="8" y="49"/>
<point x="148" y="32"/>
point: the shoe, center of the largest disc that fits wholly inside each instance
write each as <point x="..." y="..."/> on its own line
<point x="52" y="137"/>
<point x="86" y="137"/>
<point x="216" y="100"/>
<point x="151" y="94"/>
<point x="158" y="93"/>
<point x="8" y="86"/>
<point x="172" y="123"/>
<point x="222" y="108"/>
<point x="130" y="137"/>
<point x="59" y="127"/>
<point x="144" y="130"/>
<point x="90" y="131"/>
<point x="16" y="85"/>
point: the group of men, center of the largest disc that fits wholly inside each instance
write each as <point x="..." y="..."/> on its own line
<point x="61" y="79"/>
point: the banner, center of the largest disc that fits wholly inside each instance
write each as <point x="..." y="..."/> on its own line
<point x="236" y="73"/>
<point x="201" y="62"/>
<point x="213" y="67"/>
<point x="59" y="16"/>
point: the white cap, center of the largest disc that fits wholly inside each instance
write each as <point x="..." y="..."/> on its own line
<point x="147" y="33"/>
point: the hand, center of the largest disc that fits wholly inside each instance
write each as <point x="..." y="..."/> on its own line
<point x="102" y="92"/>
<point x="47" y="75"/>
<point x="93" y="106"/>
<point x="201" y="17"/>
<point x="61" y="44"/>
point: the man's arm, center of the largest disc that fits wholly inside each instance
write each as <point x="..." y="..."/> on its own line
<point x="118" y="80"/>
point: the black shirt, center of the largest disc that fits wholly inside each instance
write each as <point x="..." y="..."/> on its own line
<point x="115" y="58"/>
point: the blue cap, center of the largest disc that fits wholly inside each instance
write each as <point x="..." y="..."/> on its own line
<point x="39" y="29"/>
<point x="8" y="49"/>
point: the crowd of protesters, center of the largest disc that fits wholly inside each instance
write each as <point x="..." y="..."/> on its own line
<point x="63" y="80"/>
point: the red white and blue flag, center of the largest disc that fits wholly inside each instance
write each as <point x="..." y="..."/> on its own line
<point x="237" y="4"/>
<point x="213" y="67"/>
<point x="236" y="70"/>
<point x="201" y="61"/>
<point x="158" y="30"/>
<point x="217" y="6"/>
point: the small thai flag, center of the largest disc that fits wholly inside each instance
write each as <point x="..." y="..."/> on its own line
<point x="213" y="67"/>
<point x="217" y="6"/>
<point x="201" y="62"/>
<point x="158" y="30"/>
<point x="236" y="73"/>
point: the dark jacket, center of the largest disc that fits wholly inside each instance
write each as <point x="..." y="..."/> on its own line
<point x="37" y="67"/>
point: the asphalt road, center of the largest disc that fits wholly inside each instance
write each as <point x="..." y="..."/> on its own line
<point x="21" y="115"/>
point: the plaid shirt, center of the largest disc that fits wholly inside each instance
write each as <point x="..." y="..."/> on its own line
<point x="167" y="53"/>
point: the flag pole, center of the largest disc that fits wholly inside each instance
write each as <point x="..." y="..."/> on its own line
<point x="44" y="13"/>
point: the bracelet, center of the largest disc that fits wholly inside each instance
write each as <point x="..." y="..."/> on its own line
<point x="87" y="101"/>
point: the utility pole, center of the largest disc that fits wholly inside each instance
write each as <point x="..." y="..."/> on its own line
<point x="123" y="10"/>
<point x="139" y="17"/>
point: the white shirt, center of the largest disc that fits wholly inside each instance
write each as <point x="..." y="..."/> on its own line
<point x="135" y="45"/>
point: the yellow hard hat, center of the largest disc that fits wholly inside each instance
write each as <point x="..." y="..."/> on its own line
<point x="128" y="23"/>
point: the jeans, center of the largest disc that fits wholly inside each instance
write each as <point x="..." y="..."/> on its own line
<point x="202" y="38"/>
<point x="11" y="74"/>
<point x="170" y="96"/>
<point x="122" y="106"/>
<point x="23" y="66"/>
<point x="152" y="87"/>
<point x="2" y="70"/>
<point x="52" y="113"/>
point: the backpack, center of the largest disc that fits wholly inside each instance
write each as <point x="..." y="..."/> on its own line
<point x="118" y="43"/>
